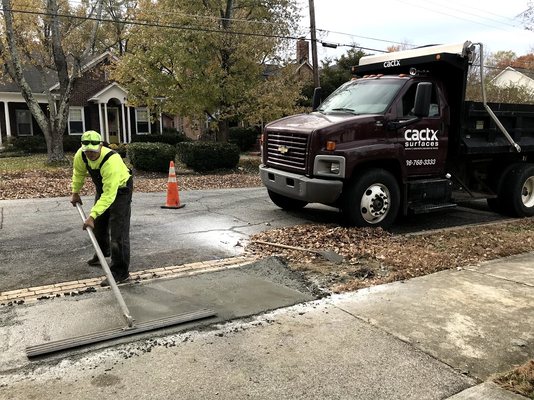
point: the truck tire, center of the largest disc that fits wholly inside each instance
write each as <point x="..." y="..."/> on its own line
<point x="286" y="203"/>
<point x="517" y="191"/>
<point x="495" y="205"/>
<point x="373" y="199"/>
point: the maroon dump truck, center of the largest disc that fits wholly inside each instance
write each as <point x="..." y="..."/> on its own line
<point x="400" y="138"/>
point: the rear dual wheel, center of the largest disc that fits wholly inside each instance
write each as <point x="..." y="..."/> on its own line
<point x="516" y="196"/>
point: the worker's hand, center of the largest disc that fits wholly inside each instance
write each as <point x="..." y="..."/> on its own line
<point x="89" y="222"/>
<point x="75" y="199"/>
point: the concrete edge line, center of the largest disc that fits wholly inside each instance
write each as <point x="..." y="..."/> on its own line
<point x="32" y="294"/>
<point x="475" y="271"/>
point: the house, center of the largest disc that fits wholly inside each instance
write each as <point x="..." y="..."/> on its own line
<point x="101" y="104"/>
<point x="304" y="69"/>
<point x="96" y="103"/>
<point x="516" y="77"/>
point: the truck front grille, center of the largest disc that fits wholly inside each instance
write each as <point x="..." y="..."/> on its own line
<point x="287" y="150"/>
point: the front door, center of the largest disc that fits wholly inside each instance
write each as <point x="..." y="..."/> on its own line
<point x="113" y="125"/>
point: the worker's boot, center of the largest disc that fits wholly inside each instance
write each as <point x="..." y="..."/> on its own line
<point x="95" y="262"/>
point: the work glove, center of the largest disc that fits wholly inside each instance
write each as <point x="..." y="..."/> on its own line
<point x="89" y="222"/>
<point x="75" y="199"/>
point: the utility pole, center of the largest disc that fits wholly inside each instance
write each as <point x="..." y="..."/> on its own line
<point x="314" y="45"/>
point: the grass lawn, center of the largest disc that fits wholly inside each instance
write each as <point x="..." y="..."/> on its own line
<point x="34" y="162"/>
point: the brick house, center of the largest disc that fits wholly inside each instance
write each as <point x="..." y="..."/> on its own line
<point x="96" y="103"/>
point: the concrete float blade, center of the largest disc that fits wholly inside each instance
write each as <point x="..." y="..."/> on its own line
<point x="70" y="343"/>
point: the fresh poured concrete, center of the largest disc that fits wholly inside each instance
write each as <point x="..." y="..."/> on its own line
<point x="232" y="293"/>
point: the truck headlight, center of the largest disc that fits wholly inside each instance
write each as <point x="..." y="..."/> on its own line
<point x="334" y="168"/>
<point x="329" y="166"/>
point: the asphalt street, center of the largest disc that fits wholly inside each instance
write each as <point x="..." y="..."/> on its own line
<point x="41" y="240"/>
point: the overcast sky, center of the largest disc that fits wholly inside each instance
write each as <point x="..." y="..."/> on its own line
<point x="378" y="24"/>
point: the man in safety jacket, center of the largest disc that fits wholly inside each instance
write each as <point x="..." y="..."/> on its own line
<point x="110" y="216"/>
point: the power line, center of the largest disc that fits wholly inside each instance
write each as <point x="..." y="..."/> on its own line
<point x="178" y="27"/>
<point x="177" y="13"/>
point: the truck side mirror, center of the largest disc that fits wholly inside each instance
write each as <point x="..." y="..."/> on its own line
<point x="316" y="101"/>
<point x="422" y="99"/>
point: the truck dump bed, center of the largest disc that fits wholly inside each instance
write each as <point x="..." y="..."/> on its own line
<point x="480" y="135"/>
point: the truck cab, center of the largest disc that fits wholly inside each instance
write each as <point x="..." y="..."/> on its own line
<point x="396" y="139"/>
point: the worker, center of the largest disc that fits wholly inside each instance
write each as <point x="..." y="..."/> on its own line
<point x="110" y="216"/>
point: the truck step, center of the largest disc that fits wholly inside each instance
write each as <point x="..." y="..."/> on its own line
<point x="427" y="208"/>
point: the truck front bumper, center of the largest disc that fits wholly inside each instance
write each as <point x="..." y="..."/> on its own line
<point x="310" y="190"/>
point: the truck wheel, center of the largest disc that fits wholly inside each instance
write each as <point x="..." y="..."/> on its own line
<point x="373" y="199"/>
<point x="286" y="203"/>
<point x="518" y="191"/>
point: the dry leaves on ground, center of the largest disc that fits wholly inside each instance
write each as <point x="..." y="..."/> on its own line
<point x="520" y="380"/>
<point x="41" y="184"/>
<point x="374" y="256"/>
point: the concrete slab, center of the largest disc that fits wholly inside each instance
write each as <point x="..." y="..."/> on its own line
<point x="231" y="294"/>
<point x="486" y="391"/>
<point x="476" y="323"/>
<point x="518" y="268"/>
<point x="309" y="351"/>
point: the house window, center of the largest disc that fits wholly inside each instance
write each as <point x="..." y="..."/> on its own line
<point x="24" y="123"/>
<point x="142" y="121"/>
<point x="76" y="121"/>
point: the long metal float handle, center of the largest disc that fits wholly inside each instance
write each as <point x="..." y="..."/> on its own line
<point x="109" y="275"/>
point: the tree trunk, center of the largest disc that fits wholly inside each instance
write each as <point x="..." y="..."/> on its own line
<point x="223" y="133"/>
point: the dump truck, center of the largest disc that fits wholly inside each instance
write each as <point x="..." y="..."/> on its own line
<point x="400" y="139"/>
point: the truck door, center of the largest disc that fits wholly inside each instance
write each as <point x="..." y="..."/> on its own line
<point x="424" y="142"/>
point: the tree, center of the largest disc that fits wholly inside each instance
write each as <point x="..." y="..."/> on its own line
<point x="39" y="38"/>
<point x="494" y="65"/>
<point x="333" y="74"/>
<point x="114" y="35"/>
<point x="528" y="16"/>
<point x="205" y="58"/>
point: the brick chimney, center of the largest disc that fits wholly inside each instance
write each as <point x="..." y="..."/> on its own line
<point x="303" y="51"/>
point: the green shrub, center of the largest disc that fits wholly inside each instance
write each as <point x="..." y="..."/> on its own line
<point x="29" y="144"/>
<point x="71" y="143"/>
<point x="151" y="156"/>
<point x="121" y="148"/>
<point x="169" y="136"/>
<point x="244" y="138"/>
<point x="208" y="156"/>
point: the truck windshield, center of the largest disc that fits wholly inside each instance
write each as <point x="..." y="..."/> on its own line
<point x="362" y="96"/>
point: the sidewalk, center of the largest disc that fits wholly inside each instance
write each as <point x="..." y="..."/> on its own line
<point x="440" y="336"/>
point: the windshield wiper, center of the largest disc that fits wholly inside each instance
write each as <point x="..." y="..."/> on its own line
<point x="348" y="110"/>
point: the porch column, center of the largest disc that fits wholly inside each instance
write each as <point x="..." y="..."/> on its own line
<point x="100" y="119"/>
<point x="1" y="146"/>
<point x="123" y="124"/>
<point x="129" y="124"/>
<point x="8" y="121"/>
<point x="106" y="125"/>
<point x="160" y="124"/>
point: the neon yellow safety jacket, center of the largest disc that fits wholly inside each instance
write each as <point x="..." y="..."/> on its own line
<point x="114" y="172"/>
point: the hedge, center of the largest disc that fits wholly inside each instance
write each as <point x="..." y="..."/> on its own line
<point x="208" y="156"/>
<point x="154" y="157"/>
<point x="244" y="138"/>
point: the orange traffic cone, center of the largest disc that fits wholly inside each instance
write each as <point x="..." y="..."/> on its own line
<point x="173" y="198"/>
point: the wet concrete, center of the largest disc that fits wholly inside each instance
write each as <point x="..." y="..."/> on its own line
<point x="231" y="294"/>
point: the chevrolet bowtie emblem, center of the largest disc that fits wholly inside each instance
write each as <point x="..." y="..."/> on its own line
<point x="283" y="149"/>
